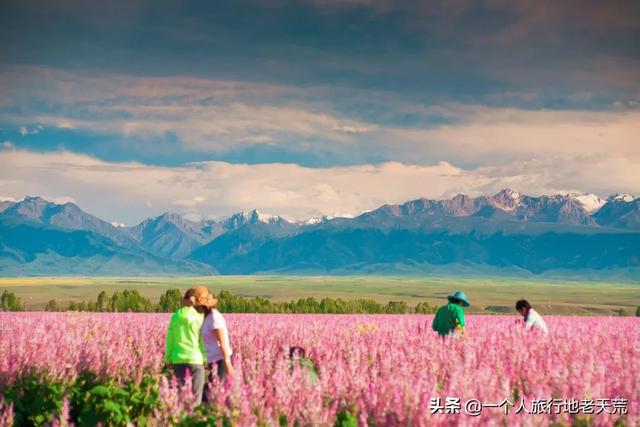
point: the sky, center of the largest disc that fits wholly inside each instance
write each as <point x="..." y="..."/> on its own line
<point x="311" y="107"/>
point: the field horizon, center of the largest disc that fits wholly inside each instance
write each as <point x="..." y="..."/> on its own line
<point x="489" y="295"/>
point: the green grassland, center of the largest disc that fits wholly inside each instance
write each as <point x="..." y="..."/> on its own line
<point x="488" y="295"/>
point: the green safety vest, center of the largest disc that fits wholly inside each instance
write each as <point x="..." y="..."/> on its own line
<point x="184" y="342"/>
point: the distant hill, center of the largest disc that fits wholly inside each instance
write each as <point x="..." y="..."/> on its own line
<point x="32" y="249"/>
<point x="575" y="234"/>
<point x="68" y="216"/>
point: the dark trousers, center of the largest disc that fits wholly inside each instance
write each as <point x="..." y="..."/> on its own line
<point x="218" y="369"/>
<point x="197" y="378"/>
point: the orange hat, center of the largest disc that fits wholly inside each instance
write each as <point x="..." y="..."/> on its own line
<point x="200" y="293"/>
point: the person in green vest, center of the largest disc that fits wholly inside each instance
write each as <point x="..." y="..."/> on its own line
<point x="184" y="349"/>
<point x="449" y="318"/>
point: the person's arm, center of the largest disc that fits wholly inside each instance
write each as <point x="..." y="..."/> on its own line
<point x="168" y="347"/>
<point x="459" y="321"/>
<point x="221" y="337"/>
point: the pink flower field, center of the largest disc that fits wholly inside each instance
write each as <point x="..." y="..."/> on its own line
<point x="381" y="370"/>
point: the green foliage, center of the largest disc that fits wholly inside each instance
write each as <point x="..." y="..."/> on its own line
<point x="91" y="402"/>
<point x="102" y="301"/>
<point x="303" y="305"/>
<point x="52" y="305"/>
<point x="515" y="395"/>
<point x="307" y="366"/>
<point x="203" y="416"/>
<point x="118" y="405"/>
<point x="638" y="311"/>
<point x="10" y="302"/>
<point x="425" y="308"/>
<point x="170" y="301"/>
<point x="230" y="303"/>
<point x="345" y="419"/>
<point x="34" y="400"/>
<point x="396" y="307"/>
<point x="582" y="421"/>
<point x="129" y="300"/>
<point x="621" y="312"/>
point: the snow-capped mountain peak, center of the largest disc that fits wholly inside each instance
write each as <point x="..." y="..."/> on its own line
<point x="623" y="197"/>
<point x="264" y="217"/>
<point x="514" y="195"/>
<point x="590" y="202"/>
<point x="252" y="216"/>
<point x="507" y="200"/>
<point x="317" y="220"/>
<point x="507" y="192"/>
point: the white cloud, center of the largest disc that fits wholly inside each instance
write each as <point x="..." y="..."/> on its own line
<point x="215" y="128"/>
<point x="206" y="115"/>
<point x="24" y="131"/>
<point x="222" y="116"/>
<point x="64" y="124"/>
<point x="129" y="192"/>
<point x="498" y="136"/>
<point x="189" y="203"/>
<point x="534" y="151"/>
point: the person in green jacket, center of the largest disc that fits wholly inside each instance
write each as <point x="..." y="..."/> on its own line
<point x="184" y="349"/>
<point x="298" y="356"/>
<point x="450" y="317"/>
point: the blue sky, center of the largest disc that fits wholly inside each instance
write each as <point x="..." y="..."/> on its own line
<point x="539" y="95"/>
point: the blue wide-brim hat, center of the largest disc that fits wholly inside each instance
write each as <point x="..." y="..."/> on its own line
<point x="459" y="296"/>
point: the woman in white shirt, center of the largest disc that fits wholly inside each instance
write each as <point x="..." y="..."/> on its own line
<point x="215" y="337"/>
<point x="531" y="317"/>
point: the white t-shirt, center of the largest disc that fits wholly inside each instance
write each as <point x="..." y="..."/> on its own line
<point x="534" y="320"/>
<point x="214" y="320"/>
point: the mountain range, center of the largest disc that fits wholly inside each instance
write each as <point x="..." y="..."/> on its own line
<point x="574" y="235"/>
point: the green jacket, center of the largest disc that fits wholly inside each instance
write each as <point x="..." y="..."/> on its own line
<point x="448" y="318"/>
<point x="184" y="343"/>
<point x="308" y="365"/>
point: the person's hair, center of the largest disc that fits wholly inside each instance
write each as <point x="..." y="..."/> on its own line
<point x="190" y="292"/>
<point x="523" y="303"/>
<point x="296" y="351"/>
<point x="188" y="298"/>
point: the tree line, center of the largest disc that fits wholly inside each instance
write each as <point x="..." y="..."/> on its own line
<point x="130" y="300"/>
<point x="10" y="302"/>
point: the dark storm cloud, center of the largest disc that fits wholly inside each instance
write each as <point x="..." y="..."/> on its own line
<point x="458" y="49"/>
